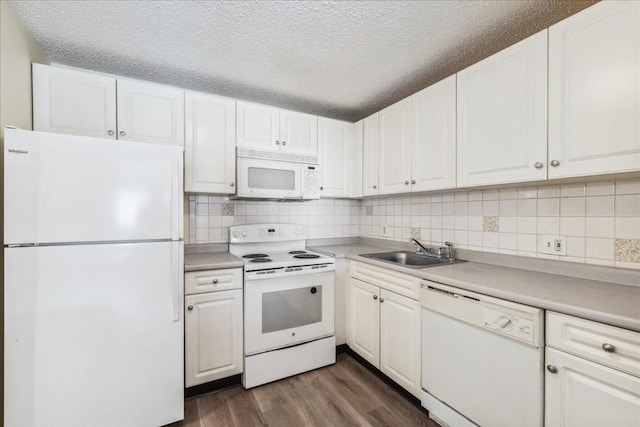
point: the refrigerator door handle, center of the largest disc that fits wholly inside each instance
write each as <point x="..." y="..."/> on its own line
<point x="175" y="205"/>
<point x="176" y="282"/>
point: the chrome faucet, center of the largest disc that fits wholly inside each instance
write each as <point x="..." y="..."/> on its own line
<point x="445" y="251"/>
<point x="424" y="251"/>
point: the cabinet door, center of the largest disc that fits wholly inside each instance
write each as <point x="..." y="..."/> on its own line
<point x="210" y="143"/>
<point x="364" y="321"/>
<point x="583" y="393"/>
<point x="594" y="91"/>
<point x="502" y="124"/>
<point x="298" y="133"/>
<point x="370" y="155"/>
<point x="73" y="102"/>
<point x="213" y="336"/>
<point x="356" y="159"/>
<point x="400" y="340"/>
<point x="433" y="158"/>
<point x="395" y="148"/>
<point x="258" y="126"/>
<point x="150" y="113"/>
<point x="335" y="157"/>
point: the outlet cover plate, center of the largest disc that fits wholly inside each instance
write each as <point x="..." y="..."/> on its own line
<point x="554" y="245"/>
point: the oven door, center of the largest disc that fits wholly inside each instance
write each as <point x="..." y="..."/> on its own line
<point x="269" y="179"/>
<point x="287" y="309"/>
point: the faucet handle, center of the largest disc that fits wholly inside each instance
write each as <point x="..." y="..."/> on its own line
<point x="449" y="245"/>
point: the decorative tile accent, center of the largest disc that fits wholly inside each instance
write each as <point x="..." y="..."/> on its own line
<point x="628" y="250"/>
<point x="228" y="209"/>
<point x="490" y="224"/>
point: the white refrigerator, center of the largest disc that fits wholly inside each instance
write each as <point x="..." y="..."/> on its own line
<point x="93" y="282"/>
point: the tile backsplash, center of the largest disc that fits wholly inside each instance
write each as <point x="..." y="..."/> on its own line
<point x="600" y="219"/>
<point x="209" y="217"/>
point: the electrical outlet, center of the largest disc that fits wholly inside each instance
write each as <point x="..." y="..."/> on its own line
<point x="554" y="245"/>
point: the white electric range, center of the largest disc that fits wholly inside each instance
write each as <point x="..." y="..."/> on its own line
<point x="288" y="302"/>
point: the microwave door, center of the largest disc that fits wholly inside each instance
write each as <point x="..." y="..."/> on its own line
<point x="269" y="179"/>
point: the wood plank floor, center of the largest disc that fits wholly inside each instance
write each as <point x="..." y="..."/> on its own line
<point x="344" y="394"/>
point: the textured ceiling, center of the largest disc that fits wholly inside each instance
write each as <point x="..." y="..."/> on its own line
<point x="342" y="59"/>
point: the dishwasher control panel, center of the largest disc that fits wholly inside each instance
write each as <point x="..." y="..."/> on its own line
<point x="508" y="324"/>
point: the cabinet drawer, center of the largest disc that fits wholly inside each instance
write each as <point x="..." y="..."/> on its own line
<point x="390" y="280"/>
<point x="198" y="282"/>
<point x="589" y="339"/>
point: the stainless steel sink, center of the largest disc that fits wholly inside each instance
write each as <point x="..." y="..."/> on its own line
<point x="410" y="259"/>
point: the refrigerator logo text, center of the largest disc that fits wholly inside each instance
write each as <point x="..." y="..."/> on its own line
<point x="11" y="150"/>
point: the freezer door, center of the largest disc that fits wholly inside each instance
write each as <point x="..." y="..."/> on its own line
<point x="63" y="188"/>
<point x="94" y="335"/>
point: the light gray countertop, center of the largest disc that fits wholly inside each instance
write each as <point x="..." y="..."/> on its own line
<point x="605" y="302"/>
<point x="211" y="261"/>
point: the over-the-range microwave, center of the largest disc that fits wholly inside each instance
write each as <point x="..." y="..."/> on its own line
<point x="276" y="176"/>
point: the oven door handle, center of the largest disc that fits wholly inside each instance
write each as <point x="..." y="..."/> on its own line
<point x="258" y="275"/>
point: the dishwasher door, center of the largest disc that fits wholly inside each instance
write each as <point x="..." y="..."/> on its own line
<point x="475" y="362"/>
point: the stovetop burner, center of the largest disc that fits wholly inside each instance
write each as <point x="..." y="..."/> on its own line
<point x="306" y="256"/>
<point x="297" y="252"/>
<point x="261" y="260"/>
<point x="255" y="256"/>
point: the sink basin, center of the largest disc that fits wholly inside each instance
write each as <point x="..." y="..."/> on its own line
<point x="410" y="259"/>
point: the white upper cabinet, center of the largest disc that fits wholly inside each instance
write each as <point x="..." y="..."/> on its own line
<point x="258" y="126"/>
<point x="268" y="128"/>
<point x="433" y="157"/>
<point x="83" y="103"/>
<point x="73" y="102"/>
<point x="298" y="133"/>
<point x="334" y="138"/>
<point x="501" y="120"/>
<point x="210" y="142"/>
<point x="395" y="148"/>
<point x="370" y="155"/>
<point x="356" y="158"/>
<point x="594" y="91"/>
<point x="150" y="113"/>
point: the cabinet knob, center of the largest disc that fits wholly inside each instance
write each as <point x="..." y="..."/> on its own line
<point x="406" y="183"/>
<point x="381" y="299"/>
<point x="277" y="142"/>
<point x="555" y="163"/>
<point x="375" y="297"/>
<point x="375" y="186"/>
<point x="122" y="133"/>
<point x="552" y="369"/>
<point x="413" y="181"/>
<point x="190" y="308"/>
<point x="321" y="188"/>
<point x="231" y="184"/>
<point x="538" y="165"/>
<point x="284" y="142"/>
<point x="110" y="132"/>
<point x="215" y="281"/>
<point x="609" y="348"/>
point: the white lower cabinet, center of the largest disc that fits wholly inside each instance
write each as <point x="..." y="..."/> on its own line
<point x="581" y="393"/>
<point x="592" y="374"/>
<point x="384" y="328"/>
<point x="213" y="336"/>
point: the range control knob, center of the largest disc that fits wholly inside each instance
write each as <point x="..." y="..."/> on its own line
<point x="504" y="322"/>
<point x="244" y="233"/>
<point x="236" y="233"/>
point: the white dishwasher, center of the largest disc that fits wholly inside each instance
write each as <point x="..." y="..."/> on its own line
<point x="482" y="359"/>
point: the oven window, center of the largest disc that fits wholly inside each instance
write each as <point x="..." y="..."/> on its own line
<point x="272" y="179"/>
<point x="291" y="308"/>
